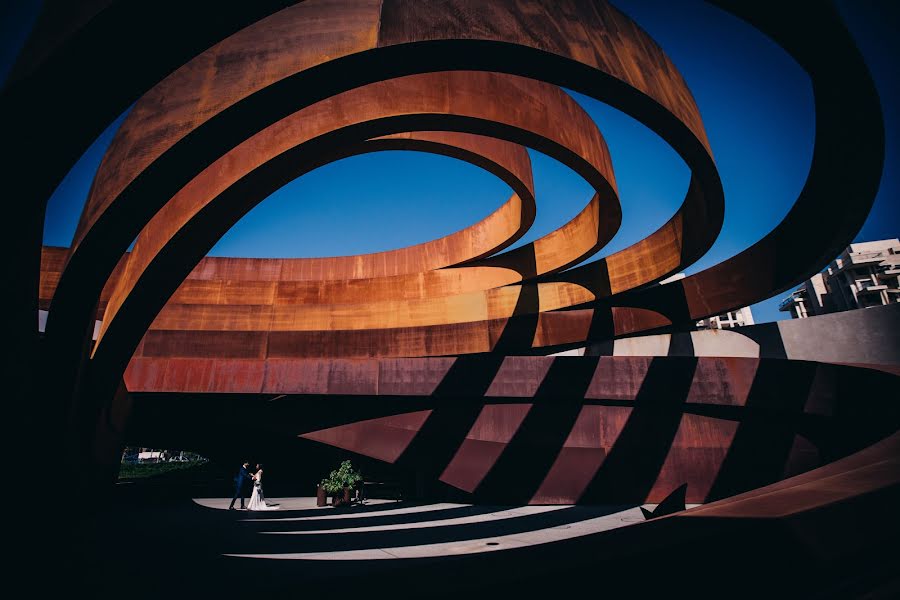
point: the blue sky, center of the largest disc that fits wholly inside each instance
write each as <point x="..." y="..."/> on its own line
<point x="755" y="101"/>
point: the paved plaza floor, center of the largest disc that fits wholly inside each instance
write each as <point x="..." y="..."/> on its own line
<point x="385" y="530"/>
<point x="200" y="548"/>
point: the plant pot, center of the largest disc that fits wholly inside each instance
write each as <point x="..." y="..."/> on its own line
<point x="321" y="496"/>
<point x="341" y="498"/>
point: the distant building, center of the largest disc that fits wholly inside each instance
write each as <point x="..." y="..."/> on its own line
<point x="151" y="457"/>
<point x="729" y="320"/>
<point x="807" y="300"/>
<point x="864" y="275"/>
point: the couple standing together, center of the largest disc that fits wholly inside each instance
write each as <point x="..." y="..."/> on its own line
<point x="257" y="499"/>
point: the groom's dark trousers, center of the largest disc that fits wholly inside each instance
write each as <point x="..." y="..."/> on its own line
<point x="239" y="482"/>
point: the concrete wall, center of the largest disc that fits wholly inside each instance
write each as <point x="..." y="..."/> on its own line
<point x="865" y="336"/>
<point x="868" y="336"/>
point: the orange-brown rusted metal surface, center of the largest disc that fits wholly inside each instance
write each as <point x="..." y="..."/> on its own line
<point x="369" y="354"/>
<point x="355" y="32"/>
<point x="207" y="143"/>
<point x="484" y="93"/>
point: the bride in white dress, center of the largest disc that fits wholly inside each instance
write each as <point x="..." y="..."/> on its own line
<point x="258" y="499"/>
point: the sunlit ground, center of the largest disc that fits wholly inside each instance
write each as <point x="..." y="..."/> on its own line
<point x="385" y="530"/>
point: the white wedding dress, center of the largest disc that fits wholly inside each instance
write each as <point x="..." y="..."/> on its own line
<point x="257" y="499"/>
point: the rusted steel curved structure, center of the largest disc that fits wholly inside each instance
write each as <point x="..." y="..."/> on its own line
<point x="414" y="356"/>
<point x="382" y="37"/>
<point x="484" y="95"/>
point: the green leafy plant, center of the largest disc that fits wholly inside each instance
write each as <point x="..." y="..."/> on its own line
<point x="342" y="477"/>
<point x="331" y="486"/>
<point x="347" y="475"/>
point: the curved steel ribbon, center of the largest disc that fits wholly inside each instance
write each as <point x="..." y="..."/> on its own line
<point x="265" y="95"/>
<point x="326" y="79"/>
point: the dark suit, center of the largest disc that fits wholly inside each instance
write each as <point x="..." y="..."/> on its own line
<point x="242" y="478"/>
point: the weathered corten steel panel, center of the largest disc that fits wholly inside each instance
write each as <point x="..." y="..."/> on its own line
<point x="429" y="341"/>
<point x="632" y="320"/>
<point x="461" y="308"/>
<point x="200" y="344"/>
<point x="556" y="328"/>
<point x="618" y="379"/>
<point x="695" y="457"/>
<point x="484" y="443"/>
<point x="595" y="431"/>
<point x="723" y="381"/>
<point x="385" y="438"/>
<point x="405" y="376"/>
<point x="519" y="376"/>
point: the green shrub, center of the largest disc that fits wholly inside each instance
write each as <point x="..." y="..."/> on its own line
<point x="343" y="476"/>
<point x="141" y="471"/>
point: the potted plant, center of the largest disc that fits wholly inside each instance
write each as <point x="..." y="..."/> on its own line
<point x="340" y="483"/>
<point x="333" y="487"/>
<point x="349" y="477"/>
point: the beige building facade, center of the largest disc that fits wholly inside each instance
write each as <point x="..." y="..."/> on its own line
<point x="864" y="275"/>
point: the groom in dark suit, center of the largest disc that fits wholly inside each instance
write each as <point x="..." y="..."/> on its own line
<point x="240" y="480"/>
